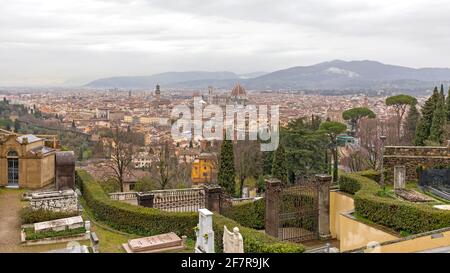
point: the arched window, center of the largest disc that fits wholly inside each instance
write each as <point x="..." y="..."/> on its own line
<point x="12" y="154"/>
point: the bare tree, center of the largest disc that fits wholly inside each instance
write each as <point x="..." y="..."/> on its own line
<point x="247" y="160"/>
<point x="120" y="157"/>
<point x="369" y="135"/>
<point x="165" y="171"/>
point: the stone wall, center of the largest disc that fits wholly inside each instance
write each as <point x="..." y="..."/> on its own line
<point x="412" y="157"/>
<point x="57" y="201"/>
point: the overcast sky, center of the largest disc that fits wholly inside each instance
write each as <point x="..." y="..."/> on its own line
<point x="52" y="41"/>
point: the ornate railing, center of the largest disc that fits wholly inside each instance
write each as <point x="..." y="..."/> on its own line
<point x="179" y="200"/>
<point x="123" y="196"/>
<point x="174" y="200"/>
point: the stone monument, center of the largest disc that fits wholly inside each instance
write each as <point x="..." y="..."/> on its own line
<point x="232" y="241"/>
<point x="399" y="177"/>
<point x="204" y="232"/>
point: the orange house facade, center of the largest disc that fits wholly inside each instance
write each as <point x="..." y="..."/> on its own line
<point x="203" y="169"/>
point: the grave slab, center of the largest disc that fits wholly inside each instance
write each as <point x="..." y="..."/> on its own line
<point x="157" y="243"/>
<point x="59" y="224"/>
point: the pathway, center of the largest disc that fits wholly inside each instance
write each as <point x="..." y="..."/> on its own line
<point x="10" y="205"/>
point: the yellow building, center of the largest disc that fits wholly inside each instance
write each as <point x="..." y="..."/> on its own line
<point x="25" y="161"/>
<point x="203" y="169"/>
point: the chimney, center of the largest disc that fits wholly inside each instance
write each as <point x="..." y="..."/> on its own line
<point x="24" y="140"/>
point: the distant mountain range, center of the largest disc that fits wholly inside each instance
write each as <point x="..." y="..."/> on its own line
<point x="334" y="75"/>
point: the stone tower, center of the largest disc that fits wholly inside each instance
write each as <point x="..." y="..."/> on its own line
<point x="157" y="92"/>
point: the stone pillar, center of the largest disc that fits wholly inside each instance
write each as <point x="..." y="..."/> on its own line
<point x="213" y="198"/>
<point x="324" y="183"/>
<point x="145" y="199"/>
<point x="272" y="195"/>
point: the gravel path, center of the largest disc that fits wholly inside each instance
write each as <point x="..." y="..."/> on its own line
<point x="10" y="206"/>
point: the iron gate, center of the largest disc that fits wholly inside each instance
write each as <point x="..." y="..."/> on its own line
<point x="299" y="212"/>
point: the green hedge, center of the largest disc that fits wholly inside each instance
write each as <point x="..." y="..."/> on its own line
<point x="248" y="214"/>
<point x="31" y="235"/>
<point x="254" y="241"/>
<point x="252" y="214"/>
<point x="130" y="218"/>
<point x="371" y="174"/>
<point x="398" y="215"/>
<point x="148" y="221"/>
<point x="30" y="216"/>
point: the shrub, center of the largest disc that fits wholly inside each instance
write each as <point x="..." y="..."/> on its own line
<point x="371" y="174"/>
<point x="402" y="216"/>
<point x="31" y="235"/>
<point x="30" y="216"/>
<point x="149" y="221"/>
<point x="248" y="214"/>
<point x="254" y="241"/>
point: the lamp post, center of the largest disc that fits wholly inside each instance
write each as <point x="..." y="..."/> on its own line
<point x="382" y="138"/>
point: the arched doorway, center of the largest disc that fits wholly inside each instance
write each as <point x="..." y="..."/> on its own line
<point x="13" y="169"/>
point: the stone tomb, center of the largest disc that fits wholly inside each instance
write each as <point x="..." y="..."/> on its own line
<point x="57" y="201"/>
<point x="157" y="243"/>
<point x="60" y="224"/>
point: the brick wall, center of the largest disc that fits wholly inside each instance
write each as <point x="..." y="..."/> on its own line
<point x="413" y="156"/>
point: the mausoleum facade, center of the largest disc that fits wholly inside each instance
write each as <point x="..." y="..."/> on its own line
<point x="25" y="161"/>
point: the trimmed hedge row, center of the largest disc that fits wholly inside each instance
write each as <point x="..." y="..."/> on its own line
<point x="399" y="215"/>
<point x="371" y="174"/>
<point x="248" y="214"/>
<point x="130" y="218"/>
<point x="148" y="221"/>
<point x="30" y="216"/>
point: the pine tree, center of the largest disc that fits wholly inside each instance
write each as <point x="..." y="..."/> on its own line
<point x="279" y="168"/>
<point x="410" y="124"/>
<point x="226" y="175"/>
<point x="424" y="125"/>
<point x="439" y="121"/>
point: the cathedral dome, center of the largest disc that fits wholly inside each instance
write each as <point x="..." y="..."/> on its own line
<point x="238" y="91"/>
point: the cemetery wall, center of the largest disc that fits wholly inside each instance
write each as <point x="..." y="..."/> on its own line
<point x="354" y="234"/>
<point x="417" y="243"/>
<point x="339" y="203"/>
<point x="414" y="156"/>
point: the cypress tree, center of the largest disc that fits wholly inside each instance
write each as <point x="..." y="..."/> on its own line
<point x="410" y="124"/>
<point x="439" y="121"/>
<point x="279" y="168"/>
<point x="424" y="125"/>
<point x="227" y="173"/>
<point x="447" y="104"/>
